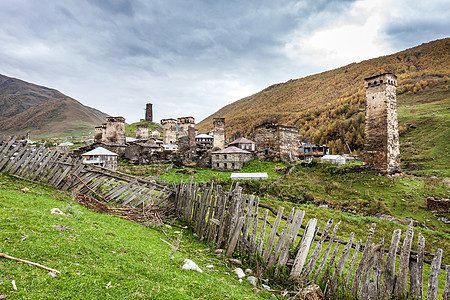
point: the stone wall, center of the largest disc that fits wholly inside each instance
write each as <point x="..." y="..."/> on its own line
<point x="276" y="140"/>
<point x="142" y="131"/>
<point x="149" y="112"/>
<point x="219" y="133"/>
<point x="115" y="131"/>
<point x="229" y="161"/>
<point x="98" y="133"/>
<point x="169" y="131"/>
<point x="381" y="138"/>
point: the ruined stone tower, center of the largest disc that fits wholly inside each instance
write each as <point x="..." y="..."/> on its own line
<point x="170" y="131"/>
<point x="115" y="131"/>
<point x="98" y="133"/>
<point x="142" y="131"/>
<point x="186" y="133"/>
<point x="381" y="140"/>
<point x="149" y="112"/>
<point x="219" y="133"/>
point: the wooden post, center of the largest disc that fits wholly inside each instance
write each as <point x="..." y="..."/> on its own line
<point x="401" y="283"/>
<point x="273" y="233"/>
<point x="235" y="237"/>
<point x="389" y="267"/>
<point x="327" y="252"/>
<point x="447" y="283"/>
<point x="352" y="262"/>
<point x="433" y="279"/>
<point x="358" y="272"/>
<point x="262" y="232"/>
<point x="254" y="227"/>
<point x="304" y="249"/>
<point x="293" y="231"/>
<point x="281" y="239"/>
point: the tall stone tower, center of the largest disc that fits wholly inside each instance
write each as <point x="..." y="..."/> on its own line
<point x="169" y="131"/>
<point x="219" y="133"/>
<point x="186" y="133"/>
<point x="149" y="112"/>
<point x="142" y="131"/>
<point x="115" y="130"/>
<point x="381" y="140"/>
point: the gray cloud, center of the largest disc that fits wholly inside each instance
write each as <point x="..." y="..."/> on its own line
<point x="187" y="57"/>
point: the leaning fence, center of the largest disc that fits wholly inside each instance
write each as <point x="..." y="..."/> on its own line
<point x="233" y="221"/>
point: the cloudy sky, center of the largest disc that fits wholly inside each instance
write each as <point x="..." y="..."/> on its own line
<point x="192" y="57"/>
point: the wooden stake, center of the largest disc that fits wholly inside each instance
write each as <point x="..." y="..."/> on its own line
<point x="30" y="263"/>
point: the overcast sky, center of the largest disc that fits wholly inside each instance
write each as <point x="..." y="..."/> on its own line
<point x="192" y="57"/>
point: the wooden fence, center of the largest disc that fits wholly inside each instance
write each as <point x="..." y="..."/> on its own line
<point x="55" y="168"/>
<point x="233" y="221"/>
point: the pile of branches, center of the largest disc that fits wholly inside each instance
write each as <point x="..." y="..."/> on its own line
<point x="149" y="216"/>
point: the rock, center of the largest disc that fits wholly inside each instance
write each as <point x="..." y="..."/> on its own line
<point x="239" y="272"/>
<point x="190" y="265"/>
<point x="57" y="211"/>
<point x="235" y="261"/>
<point x="265" y="287"/>
<point x="406" y="184"/>
<point x="240" y="280"/>
<point x="218" y="251"/>
<point x="323" y="206"/>
<point x="248" y="271"/>
<point x="168" y="226"/>
<point x="52" y="274"/>
<point x="3" y="297"/>
<point x="312" y="292"/>
<point x="209" y="266"/>
<point x="25" y="190"/>
<point x="252" y="280"/>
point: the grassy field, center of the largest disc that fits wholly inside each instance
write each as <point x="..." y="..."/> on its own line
<point x="100" y="256"/>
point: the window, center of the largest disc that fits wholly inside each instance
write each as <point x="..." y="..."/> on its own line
<point x="225" y="156"/>
<point x="225" y="165"/>
<point x="232" y="165"/>
<point x="218" y="165"/>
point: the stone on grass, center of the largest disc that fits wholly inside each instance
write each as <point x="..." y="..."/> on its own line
<point x="239" y="273"/>
<point x="209" y="266"/>
<point x="52" y="274"/>
<point x="248" y="271"/>
<point x="235" y="261"/>
<point x="312" y="292"/>
<point x="218" y="251"/>
<point x="190" y="265"/>
<point x="252" y="280"/>
<point x="265" y="287"/>
<point x="57" y="211"/>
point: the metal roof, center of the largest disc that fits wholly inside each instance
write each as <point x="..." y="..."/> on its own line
<point x="242" y="140"/>
<point x="231" y="149"/>
<point x="262" y="175"/>
<point x="99" y="151"/>
<point x="203" y="136"/>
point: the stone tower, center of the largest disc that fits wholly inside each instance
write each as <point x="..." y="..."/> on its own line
<point x="170" y="131"/>
<point x="219" y="133"/>
<point x="115" y="130"/>
<point x="142" y="131"/>
<point x="149" y="112"/>
<point x="98" y="133"/>
<point x="186" y="133"/>
<point x="381" y="140"/>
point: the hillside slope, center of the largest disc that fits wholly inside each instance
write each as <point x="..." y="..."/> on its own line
<point x="329" y="107"/>
<point x="43" y="111"/>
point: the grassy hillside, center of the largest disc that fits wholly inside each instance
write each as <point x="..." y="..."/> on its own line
<point x="328" y="108"/>
<point x="45" y="112"/>
<point x="130" y="130"/>
<point x="100" y="256"/>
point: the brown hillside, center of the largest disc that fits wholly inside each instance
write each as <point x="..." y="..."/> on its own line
<point x="329" y="107"/>
<point x="43" y="111"/>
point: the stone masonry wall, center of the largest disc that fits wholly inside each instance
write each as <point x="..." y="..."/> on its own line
<point x="219" y="133"/>
<point x="115" y="130"/>
<point x="169" y="131"/>
<point x="381" y="140"/>
<point x="277" y="140"/>
<point x="142" y="131"/>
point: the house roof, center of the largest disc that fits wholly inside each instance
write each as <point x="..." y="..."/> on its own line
<point x="242" y="140"/>
<point x="99" y="151"/>
<point x="262" y="175"/>
<point x="231" y="149"/>
<point x="203" y="136"/>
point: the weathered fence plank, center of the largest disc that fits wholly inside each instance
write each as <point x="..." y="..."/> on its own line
<point x="327" y="252"/>
<point x="304" y="249"/>
<point x="401" y="283"/>
<point x="433" y="279"/>
<point x="389" y="267"/>
<point x="273" y="233"/>
<point x="293" y="231"/>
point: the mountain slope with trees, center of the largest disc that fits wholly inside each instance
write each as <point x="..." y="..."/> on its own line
<point x="328" y="108"/>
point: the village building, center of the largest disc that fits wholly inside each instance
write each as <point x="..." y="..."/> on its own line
<point x="64" y="146"/>
<point x="230" y="159"/>
<point x="205" y="140"/>
<point x="381" y="137"/>
<point x="277" y="140"/>
<point x="101" y="157"/>
<point x="169" y="131"/>
<point x="309" y="151"/>
<point x="219" y="133"/>
<point x="149" y="112"/>
<point x="333" y="159"/>
<point x="244" y="144"/>
<point x="142" y="131"/>
<point x="186" y="135"/>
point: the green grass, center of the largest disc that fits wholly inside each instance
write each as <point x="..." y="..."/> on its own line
<point x="99" y="256"/>
<point x="130" y="130"/>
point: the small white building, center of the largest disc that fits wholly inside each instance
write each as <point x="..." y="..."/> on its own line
<point x="64" y="146"/>
<point x="249" y="176"/>
<point x="333" y="159"/>
<point x="101" y="157"/>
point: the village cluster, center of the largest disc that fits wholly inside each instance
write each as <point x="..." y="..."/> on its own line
<point x="181" y="143"/>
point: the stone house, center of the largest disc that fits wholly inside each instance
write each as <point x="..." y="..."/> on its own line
<point x="244" y="144"/>
<point x="277" y="140"/>
<point x="101" y="157"/>
<point x="230" y="159"/>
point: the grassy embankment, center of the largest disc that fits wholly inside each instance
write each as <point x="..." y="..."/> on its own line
<point x="99" y="256"/>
